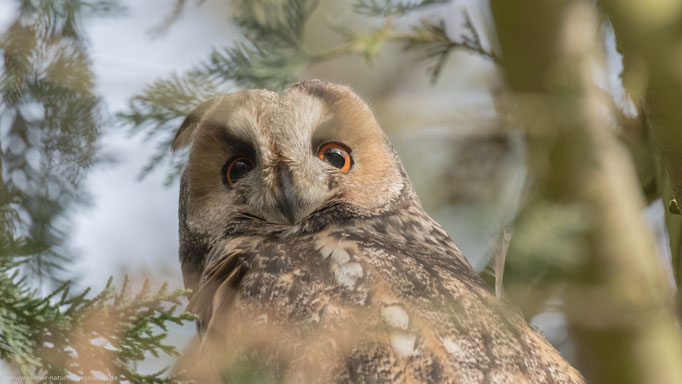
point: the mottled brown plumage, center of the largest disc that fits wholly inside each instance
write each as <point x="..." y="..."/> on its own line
<point x="319" y="275"/>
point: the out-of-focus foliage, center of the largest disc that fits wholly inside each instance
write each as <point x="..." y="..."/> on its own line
<point x="161" y="106"/>
<point x="549" y="247"/>
<point x="50" y="120"/>
<point x="103" y="336"/>
<point x="246" y="370"/>
<point x="273" y="55"/>
<point x="619" y="304"/>
<point x="674" y="208"/>
<point x="434" y="39"/>
<point x="393" y="8"/>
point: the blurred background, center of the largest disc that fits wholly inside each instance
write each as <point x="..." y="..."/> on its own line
<point x="95" y="184"/>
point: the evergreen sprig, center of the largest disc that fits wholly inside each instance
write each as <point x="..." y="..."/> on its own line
<point x="434" y="39"/>
<point x="162" y="105"/>
<point x="78" y="335"/>
<point x="51" y="121"/>
<point x="388" y="8"/>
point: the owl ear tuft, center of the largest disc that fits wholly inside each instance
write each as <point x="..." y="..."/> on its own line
<point x="185" y="134"/>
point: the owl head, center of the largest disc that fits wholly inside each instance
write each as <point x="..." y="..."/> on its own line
<point x="262" y="162"/>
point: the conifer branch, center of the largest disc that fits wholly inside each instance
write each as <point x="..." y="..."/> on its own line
<point x="60" y="334"/>
<point x="388" y="8"/>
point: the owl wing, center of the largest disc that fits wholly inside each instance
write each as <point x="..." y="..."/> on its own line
<point x="444" y="322"/>
<point x="217" y="286"/>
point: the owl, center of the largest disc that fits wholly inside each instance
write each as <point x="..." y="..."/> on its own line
<point x="312" y="261"/>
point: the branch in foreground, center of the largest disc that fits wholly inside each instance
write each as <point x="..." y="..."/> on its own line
<point x="66" y="335"/>
<point x="617" y="300"/>
<point x="648" y="37"/>
<point x="388" y="8"/>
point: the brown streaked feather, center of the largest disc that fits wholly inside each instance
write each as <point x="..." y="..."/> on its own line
<point x="184" y="135"/>
<point x="219" y="279"/>
<point x="455" y="329"/>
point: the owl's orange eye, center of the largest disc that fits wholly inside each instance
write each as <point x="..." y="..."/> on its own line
<point x="336" y="155"/>
<point x="235" y="169"/>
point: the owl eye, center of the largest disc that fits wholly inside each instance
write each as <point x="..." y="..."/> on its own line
<point x="336" y="155"/>
<point x="235" y="169"/>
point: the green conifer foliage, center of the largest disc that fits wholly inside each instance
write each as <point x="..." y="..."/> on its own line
<point x="50" y="122"/>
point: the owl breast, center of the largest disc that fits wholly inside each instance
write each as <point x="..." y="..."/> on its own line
<point x="339" y="306"/>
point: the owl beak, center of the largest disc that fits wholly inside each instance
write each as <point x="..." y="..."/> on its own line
<point x="289" y="201"/>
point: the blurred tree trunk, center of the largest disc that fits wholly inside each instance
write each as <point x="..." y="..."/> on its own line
<point x="617" y="300"/>
<point x="649" y="35"/>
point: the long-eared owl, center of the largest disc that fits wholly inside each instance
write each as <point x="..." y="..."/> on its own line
<point x="312" y="260"/>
